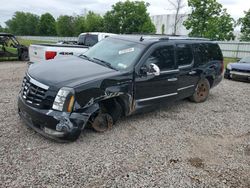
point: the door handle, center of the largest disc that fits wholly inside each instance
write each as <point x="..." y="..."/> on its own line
<point x="192" y="72"/>
<point x="172" y="79"/>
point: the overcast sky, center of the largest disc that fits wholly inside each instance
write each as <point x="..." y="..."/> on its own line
<point x="71" y="7"/>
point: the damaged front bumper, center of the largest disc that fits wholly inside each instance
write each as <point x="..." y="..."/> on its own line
<point x="52" y="124"/>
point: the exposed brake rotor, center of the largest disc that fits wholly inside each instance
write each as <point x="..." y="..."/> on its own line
<point x="102" y="122"/>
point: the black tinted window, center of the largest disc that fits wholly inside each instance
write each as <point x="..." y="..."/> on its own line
<point x="163" y="57"/>
<point x="184" y="54"/>
<point x="81" y="40"/>
<point x="205" y="52"/>
<point x="200" y="53"/>
<point x="91" y="40"/>
<point x="214" y="52"/>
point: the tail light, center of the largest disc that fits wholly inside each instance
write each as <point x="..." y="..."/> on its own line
<point x="222" y="67"/>
<point x="50" y="55"/>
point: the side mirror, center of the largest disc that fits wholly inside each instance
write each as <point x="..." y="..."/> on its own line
<point x="152" y="69"/>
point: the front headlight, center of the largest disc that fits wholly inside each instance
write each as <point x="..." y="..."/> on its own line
<point x="229" y="67"/>
<point x="64" y="100"/>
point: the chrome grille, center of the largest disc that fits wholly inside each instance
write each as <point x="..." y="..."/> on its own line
<point x="33" y="91"/>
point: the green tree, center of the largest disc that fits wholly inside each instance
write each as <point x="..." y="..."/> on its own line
<point x="47" y="25"/>
<point x="23" y="24"/>
<point x="65" y="26"/>
<point x="94" y="22"/>
<point x="245" y="26"/>
<point x="1" y="29"/>
<point x="79" y="25"/>
<point x="129" y="17"/>
<point x="209" y="20"/>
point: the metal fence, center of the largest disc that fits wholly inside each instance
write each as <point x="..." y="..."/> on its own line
<point x="229" y="49"/>
<point x="235" y="49"/>
<point x="48" y="39"/>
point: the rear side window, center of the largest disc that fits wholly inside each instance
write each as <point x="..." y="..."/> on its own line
<point x="200" y="53"/>
<point x="205" y="52"/>
<point x="91" y="40"/>
<point x="81" y="39"/>
<point x="214" y="52"/>
<point x="163" y="57"/>
<point x="184" y="54"/>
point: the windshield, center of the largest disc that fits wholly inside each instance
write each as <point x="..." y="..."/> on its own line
<point x="120" y="54"/>
<point x="245" y="60"/>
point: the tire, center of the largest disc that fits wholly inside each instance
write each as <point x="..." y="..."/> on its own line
<point x="226" y="76"/>
<point x="108" y="115"/>
<point x="24" y="56"/>
<point x="201" y="92"/>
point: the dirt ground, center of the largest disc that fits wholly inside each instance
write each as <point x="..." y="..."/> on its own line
<point x="184" y="145"/>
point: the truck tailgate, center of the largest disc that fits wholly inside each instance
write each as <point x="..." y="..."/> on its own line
<point x="36" y="53"/>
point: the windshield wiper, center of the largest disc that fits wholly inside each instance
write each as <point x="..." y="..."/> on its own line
<point x="105" y="63"/>
<point x="85" y="57"/>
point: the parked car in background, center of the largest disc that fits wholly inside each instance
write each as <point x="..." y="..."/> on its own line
<point x="121" y="75"/>
<point x="43" y="52"/>
<point x="11" y="48"/>
<point x="239" y="70"/>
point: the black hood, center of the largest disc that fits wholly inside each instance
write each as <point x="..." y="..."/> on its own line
<point x="70" y="71"/>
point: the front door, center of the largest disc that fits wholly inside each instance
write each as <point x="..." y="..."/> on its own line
<point x="152" y="89"/>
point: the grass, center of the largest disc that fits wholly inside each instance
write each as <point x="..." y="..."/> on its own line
<point x="229" y="60"/>
<point x="24" y="42"/>
<point x="27" y="42"/>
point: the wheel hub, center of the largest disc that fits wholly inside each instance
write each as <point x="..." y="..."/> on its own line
<point x="102" y="122"/>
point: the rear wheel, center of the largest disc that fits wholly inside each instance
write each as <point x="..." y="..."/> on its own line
<point x="201" y="92"/>
<point x="24" y="56"/>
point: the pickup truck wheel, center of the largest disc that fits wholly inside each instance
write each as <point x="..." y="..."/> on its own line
<point x="102" y="122"/>
<point x="24" y="56"/>
<point x="201" y="92"/>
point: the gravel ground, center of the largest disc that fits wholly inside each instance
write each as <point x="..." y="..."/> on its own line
<point x="185" y="145"/>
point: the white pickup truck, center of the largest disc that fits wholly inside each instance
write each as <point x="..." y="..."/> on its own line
<point x="43" y="52"/>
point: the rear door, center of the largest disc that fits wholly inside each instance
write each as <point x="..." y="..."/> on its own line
<point x="188" y="74"/>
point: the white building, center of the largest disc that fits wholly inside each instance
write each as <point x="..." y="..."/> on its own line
<point x="168" y="21"/>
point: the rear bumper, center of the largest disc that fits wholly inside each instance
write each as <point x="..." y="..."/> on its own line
<point x="52" y="124"/>
<point x="217" y="80"/>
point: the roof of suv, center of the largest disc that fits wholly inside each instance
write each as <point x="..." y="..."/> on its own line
<point x="149" y="39"/>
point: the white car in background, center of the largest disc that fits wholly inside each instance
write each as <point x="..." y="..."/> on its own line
<point x="43" y="52"/>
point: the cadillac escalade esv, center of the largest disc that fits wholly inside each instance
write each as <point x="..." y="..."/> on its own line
<point x="119" y="76"/>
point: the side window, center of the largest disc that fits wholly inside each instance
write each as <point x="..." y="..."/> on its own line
<point x="81" y="39"/>
<point x="91" y="40"/>
<point x="184" y="54"/>
<point x="200" y="54"/>
<point x="214" y="52"/>
<point x="163" y="57"/>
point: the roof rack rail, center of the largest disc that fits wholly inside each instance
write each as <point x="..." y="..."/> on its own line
<point x="164" y="38"/>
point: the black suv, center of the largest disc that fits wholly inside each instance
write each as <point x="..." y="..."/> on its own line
<point x="120" y="75"/>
